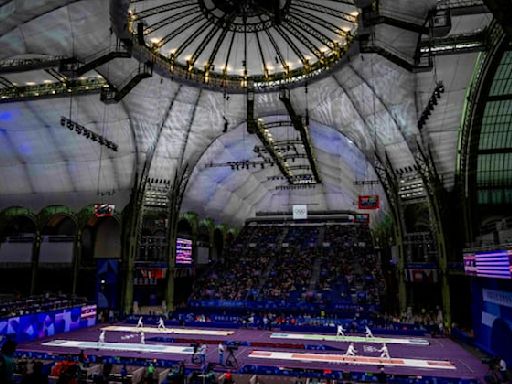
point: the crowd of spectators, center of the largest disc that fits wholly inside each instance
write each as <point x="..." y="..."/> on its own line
<point x="236" y="278"/>
<point x="302" y="236"/>
<point x="278" y="263"/>
<point x="16" y="306"/>
<point x="291" y="274"/>
<point x="431" y="319"/>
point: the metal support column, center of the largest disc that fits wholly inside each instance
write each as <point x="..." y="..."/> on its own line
<point x="77" y="256"/>
<point x="35" y="261"/>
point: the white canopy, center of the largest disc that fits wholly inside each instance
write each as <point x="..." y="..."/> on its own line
<point x="368" y="102"/>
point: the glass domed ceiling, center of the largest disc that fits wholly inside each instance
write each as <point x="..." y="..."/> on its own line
<point x="239" y="44"/>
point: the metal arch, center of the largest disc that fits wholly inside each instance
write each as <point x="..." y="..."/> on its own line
<point x="318" y="35"/>
<point x="216" y="47"/>
<point x="304" y="40"/>
<point x="276" y="49"/>
<point x="164" y="22"/>
<point x="262" y="56"/>
<point x="228" y="55"/>
<point x="292" y="45"/>
<point x="342" y="2"/>
<point x="315" y="20"/>
<point x="206" y="40"/>
<point x="182" y="28"/>
<point x="189" y="40"/>
<point x="163" y="9"/>
<point x="238" y="27"/>
<point x="327" y="10"/>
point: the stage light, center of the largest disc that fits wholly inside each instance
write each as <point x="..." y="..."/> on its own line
<point x="81" y="130"/>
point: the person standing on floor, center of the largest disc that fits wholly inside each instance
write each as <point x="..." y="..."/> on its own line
<point x="101" y="338"/>
<point x="351" y="350"/>
<point x="384" y="353"/>
<point x="221" y="349"/>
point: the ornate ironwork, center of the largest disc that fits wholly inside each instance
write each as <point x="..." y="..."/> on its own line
<point x="177" y="36"/>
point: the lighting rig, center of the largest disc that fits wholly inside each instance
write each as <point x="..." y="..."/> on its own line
<point x="93" y="136"/>
<point x="295" y="187"/>
<point x="411" y="186"/>
<point x="242" y="164"/>
<point x="155" y="195"/>
<point x="432" y="102"/>
<point x="366" y="182"/>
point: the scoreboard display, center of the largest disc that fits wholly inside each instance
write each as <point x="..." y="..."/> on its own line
<point x="183" y="252"/>
<point x="495" y="264"/>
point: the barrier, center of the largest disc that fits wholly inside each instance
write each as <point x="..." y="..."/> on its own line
<point x="281" y="305"/>
<point x="43" y="324"/>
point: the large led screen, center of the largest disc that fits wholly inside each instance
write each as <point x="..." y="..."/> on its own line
<point x="183" y="252"/>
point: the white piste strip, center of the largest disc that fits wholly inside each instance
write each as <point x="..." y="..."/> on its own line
<point x="121" y="347"/>
<point x="182" y="331"/>
<point x="349" y="339"/>
<point x="358" y="360"/>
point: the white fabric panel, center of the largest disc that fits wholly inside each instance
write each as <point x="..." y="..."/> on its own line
<point x="56" y="252"/>
<point x="16" y="253"/>
<point x="203" y="255"/>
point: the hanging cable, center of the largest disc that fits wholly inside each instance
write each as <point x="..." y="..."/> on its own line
<point x="104" y="120"/>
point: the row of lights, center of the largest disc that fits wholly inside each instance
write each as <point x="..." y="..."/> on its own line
<point x="152" y="180"/>
<point x="238" y="165"/>
<point x="81" y="130"/>
<point x="432" y="102"/>
<point x="295" y="186"/>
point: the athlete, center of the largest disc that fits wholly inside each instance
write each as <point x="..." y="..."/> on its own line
<point x="142" y="339"/>
<point x="221" y="350"/>
<point x="101" y="338"/>
<point x="139" y="323"/>
<point x="161" y="324"/>
<point x="351" y="350"/>
<point x="368" y="332"/>
<point x="340" y="331"/>
<point x="384" y="353"/>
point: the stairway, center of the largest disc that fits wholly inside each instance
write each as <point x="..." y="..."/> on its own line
<point x="315" y="275"/>
<point x="282" y="236"/>
<point x="321" y="237"/>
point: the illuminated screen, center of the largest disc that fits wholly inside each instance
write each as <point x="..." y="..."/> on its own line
<point x="363" y="218"/>
<point x="368" y="202"/>
<point x="469" y="264"/>
<point x="102" y="210"/>
<point x="495" y="264"/>
<point x="183" y="251"/>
